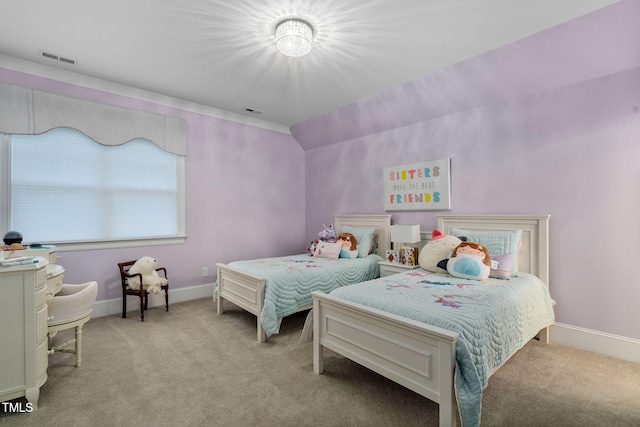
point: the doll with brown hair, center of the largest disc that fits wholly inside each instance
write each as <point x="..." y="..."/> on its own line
<point x="349" y="245"/>
<point x="470" y="260"/>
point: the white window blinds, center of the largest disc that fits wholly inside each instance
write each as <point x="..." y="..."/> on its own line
<point x="67" y="188"/>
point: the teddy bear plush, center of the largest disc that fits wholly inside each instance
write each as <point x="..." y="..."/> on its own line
<point x="151" y="280"/>
<point x="439" y="248"/>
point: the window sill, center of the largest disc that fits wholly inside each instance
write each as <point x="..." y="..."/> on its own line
<point x="114" y="244"/>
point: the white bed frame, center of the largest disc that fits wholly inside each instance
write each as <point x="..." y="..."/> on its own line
<point x="247" y="291"/>
<point x="416" y="355"/>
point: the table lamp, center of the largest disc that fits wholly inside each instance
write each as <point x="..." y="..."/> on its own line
<point x="404" y="234"/>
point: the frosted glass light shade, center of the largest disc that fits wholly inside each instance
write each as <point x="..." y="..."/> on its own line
<point x="294" y="37"/>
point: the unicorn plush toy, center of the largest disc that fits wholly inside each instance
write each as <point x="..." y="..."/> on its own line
<point x="328" y="234"/>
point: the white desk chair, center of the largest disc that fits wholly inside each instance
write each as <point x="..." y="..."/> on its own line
<point x="71" y="307"/>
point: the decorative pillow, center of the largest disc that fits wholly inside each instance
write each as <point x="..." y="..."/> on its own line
<point x="436" y="250"/>
<point x="470" y="260"/>
<point x="498" y="242"/>
<point x="374" y="245"/>
<point x="345" y="253"/>
<point x="348" y="241"/>
<point x="312" y="247"/>
<point x="328" y="250"/>
<point x="501" y="266"/>
<point x="364" y="236"/>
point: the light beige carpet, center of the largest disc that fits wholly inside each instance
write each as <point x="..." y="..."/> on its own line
<point x="191" y="367"/>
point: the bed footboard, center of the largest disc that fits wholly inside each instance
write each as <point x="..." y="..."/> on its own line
<point x="244" y="290"/>
<point x="415" y="355"/>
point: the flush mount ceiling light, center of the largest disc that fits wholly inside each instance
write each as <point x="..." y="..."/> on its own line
<point x="294" y="37"/>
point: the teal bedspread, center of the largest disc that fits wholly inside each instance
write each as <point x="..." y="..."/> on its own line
<point x="290" y="281"/>
<point x="494" y="319"/>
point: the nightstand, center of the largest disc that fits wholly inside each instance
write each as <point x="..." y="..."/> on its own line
<point x="388" y="268"/>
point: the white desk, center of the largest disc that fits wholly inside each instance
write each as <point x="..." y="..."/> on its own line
<point x="23" y="331"/>
<point x="24" y="291"/>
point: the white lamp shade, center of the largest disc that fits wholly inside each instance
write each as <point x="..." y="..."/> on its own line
<point x="405" y="233"/>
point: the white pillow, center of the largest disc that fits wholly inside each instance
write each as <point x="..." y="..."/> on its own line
<point x="327" y="250"/>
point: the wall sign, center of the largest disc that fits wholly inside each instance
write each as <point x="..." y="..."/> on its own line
<point x="417" y="186"/>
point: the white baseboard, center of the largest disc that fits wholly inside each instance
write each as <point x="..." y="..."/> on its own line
<point x="598" y="342"/>
<point x="114" y="305"/>
<point x="585" y="339"/>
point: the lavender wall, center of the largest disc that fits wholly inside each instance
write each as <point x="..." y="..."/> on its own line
<point x="569" y="150"/>
<point x="547" y="125"/>
<point x="245" y="197"/>
<point x="597" y="44"/>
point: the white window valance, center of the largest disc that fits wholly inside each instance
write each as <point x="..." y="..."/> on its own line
<point x="30" y="111"/>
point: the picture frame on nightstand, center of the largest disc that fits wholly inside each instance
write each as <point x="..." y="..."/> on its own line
<point x="409" y="255"/>
<point x="393" y="256"/>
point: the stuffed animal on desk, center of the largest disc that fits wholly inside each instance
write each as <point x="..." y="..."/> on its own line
<point x="151" y="281"/>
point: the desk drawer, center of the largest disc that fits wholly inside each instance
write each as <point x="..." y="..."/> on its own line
<point x="41" y="277"/>
<point x="41" y="323"/>
<point x="54" y="284"/>
<point x="41" y="296"/>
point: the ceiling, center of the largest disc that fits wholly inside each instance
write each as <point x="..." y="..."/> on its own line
<point x="221" y="53"/>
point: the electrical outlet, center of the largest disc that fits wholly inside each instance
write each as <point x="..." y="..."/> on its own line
<point x="205" y="271"/>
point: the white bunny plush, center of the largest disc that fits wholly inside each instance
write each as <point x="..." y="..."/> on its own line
<point x="151" y="281"/>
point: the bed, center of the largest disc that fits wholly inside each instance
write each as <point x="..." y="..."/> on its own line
<point x="438" y="362"/>
<point x="265" y="293"/>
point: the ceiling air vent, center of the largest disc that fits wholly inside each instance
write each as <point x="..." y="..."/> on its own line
<point x="55" y="57"/>
<point x="50" y="55"/>
<point x="253" y="110"/>
<point x="67" y="60"/>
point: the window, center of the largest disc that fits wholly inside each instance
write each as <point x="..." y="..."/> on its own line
<point x="64" y="188"/>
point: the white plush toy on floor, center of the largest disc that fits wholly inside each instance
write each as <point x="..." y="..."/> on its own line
<point x="151" y="281"/>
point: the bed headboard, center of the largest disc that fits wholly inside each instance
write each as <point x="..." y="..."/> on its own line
<point x="534" y="251"/>
<point x="381" y="224"/>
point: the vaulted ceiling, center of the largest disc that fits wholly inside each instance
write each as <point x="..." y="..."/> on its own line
<point x="222" y="54"/>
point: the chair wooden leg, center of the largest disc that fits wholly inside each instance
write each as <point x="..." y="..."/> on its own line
<point x="124" y="305"/>
<point x="166" y="297"/>
<point x="78" y="345"/>
<point x="141" y="308"/>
